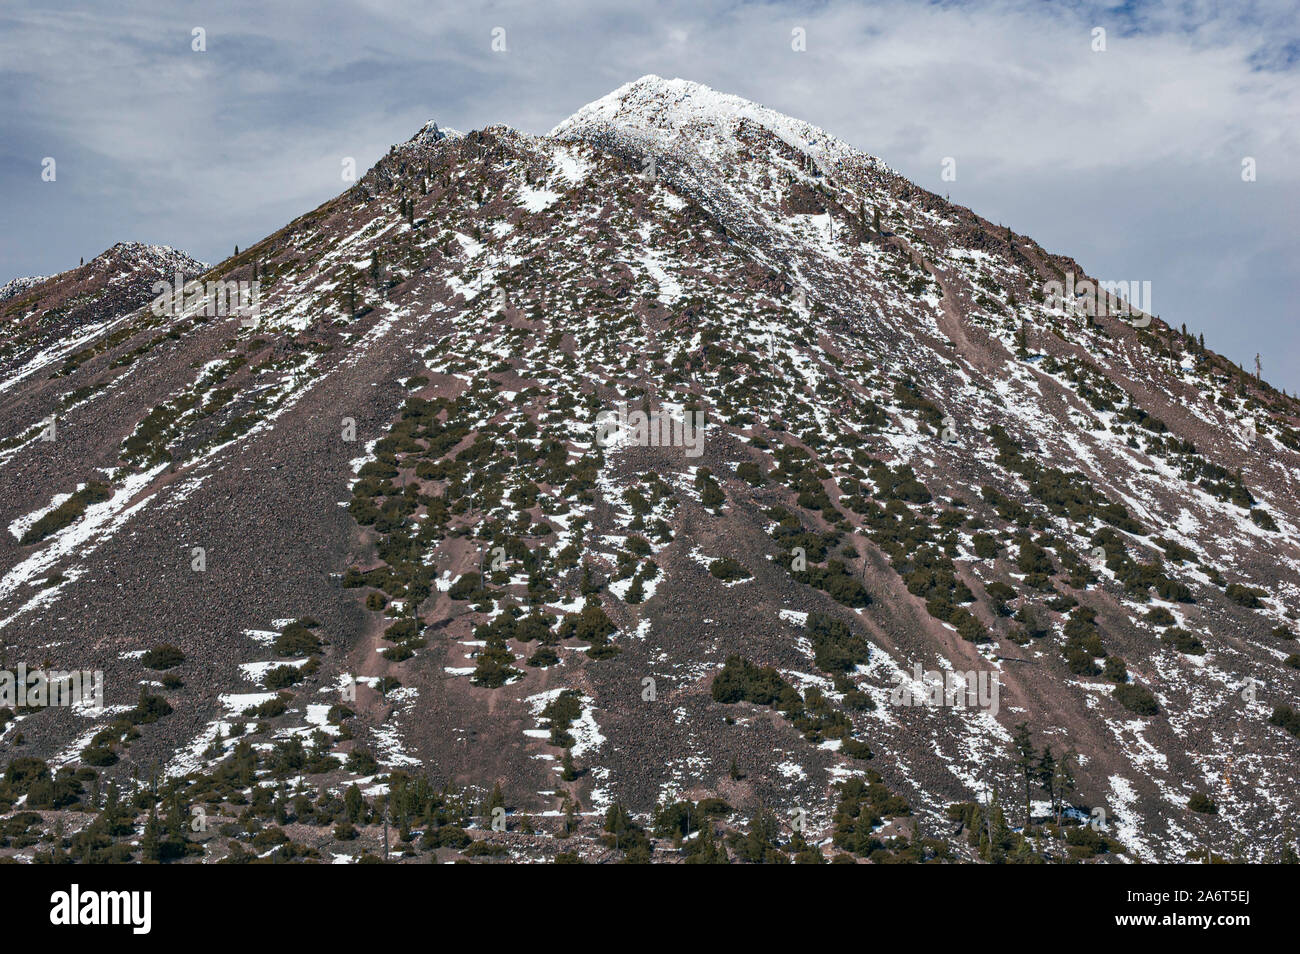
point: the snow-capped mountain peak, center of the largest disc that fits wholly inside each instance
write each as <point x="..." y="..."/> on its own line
<point x="675" y="114"/>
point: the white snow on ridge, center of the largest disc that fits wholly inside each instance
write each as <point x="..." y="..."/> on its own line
<point x="672" y="111"/>
<point x="536" y="200"/>
<point x="16" y="286"/>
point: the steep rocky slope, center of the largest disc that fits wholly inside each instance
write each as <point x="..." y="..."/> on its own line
<point x="913" y="457"/>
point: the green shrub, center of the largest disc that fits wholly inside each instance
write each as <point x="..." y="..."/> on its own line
<point x="751" y="473"/>
<point x="466" y="587"/>
<point x="282" y="677"/>
<point x="276" y="706"/>
<point x="1200" y="802"/>
<point x="163" y="656"/>
<point x="1263" y="520"/>
<point x="740" y="680"/>
<point x="544" y="657"/>
<point x="836" y="648"/>
<point x="1287" y="718"/>
<point x="835" y="580"/>
<point x="149" y="708"/>
<point x="1247" y="596"/>
<point x="1159" y="616"/>
<point x="727" y="569"/>
<point x="1183" y="641"/>
<point x="1136" y="698"/>
<point x="296" y="640"/>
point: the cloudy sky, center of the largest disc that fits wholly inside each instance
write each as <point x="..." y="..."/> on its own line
<point x="1128" y="158"/>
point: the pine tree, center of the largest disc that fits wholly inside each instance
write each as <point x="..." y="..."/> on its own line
<point x="705" y="850"/>
<point x="149" y="847"/>
<point x="1063" y="784"/>
<point x="760" y="843"/>
<point x="1024" y="746"/>
<point x="174" y="841"/>
<point x="353" y="804"/>
<point x="618" y="822"/>
<point x="568" y="771"/>
<point x="804" y="853"/>
<point x="1045" y="773"/>
<point x="1024" y="851"/>
<point x="57" y="854"/>
<point x="999" y="834"/>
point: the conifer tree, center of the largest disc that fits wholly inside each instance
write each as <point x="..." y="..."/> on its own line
<point x="1046" y="775"/>
<point x="149" y="847"/>
<point x="706" y="850"/>
<point x="1024" y="747"/>
<point x="353" y="804"/>
<point x="1062" y="784"/>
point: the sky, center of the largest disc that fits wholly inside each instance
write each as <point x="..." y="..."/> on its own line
<point x="1122" y="149"/>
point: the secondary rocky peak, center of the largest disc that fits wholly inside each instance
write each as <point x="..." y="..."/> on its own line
<point x="431" y="132"/>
